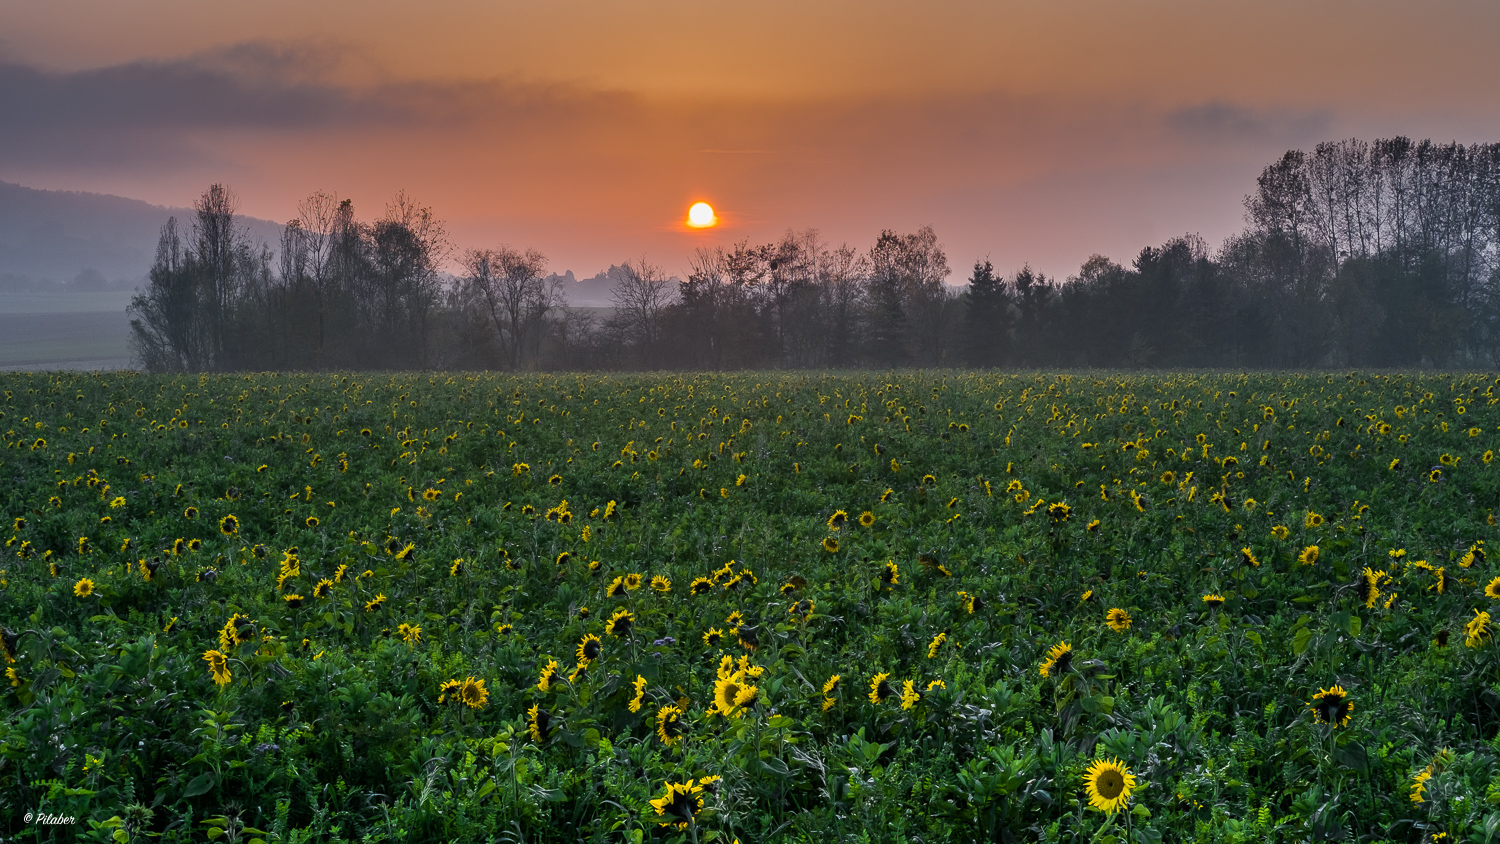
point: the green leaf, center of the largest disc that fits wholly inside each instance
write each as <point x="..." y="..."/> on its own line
<point x="1355" y="625"/>
<point x="214" y="834"/>
<point x="1301" y="640"/>
<point x="200" y="784"/>
<point x="1254" y="637"/>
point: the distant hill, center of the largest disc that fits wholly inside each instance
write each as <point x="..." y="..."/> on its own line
<point x="86" y="241"/>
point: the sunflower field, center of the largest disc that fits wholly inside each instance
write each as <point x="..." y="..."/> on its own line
<point x="869" y="607"/>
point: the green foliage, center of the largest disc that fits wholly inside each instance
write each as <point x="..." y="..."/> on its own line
<point x="451" y="536"/>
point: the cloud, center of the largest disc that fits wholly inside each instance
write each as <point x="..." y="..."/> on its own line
<point x="1219" y="121"/>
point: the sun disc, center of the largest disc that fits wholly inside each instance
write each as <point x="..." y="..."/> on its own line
<point x="701" y="216"/>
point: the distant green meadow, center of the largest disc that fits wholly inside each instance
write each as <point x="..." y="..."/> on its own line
<point x="867" y="607"/>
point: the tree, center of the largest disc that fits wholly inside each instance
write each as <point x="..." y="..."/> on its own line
<point x="641" y="295"/>
<point x="509" y="287"/>
<point x="164" y="324"/>
<point x="986" y="312"/>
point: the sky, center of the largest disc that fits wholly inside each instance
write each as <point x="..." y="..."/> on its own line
<point x="1032" y="133"/>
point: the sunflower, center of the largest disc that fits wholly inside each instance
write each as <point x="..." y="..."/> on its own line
<point x="831" y="545"/>
<point x="619" y="623"/>
<point x="866" y="519"/>
<point x="218" y="665"/>
<point x="1280" y="532"/>
<point x="616" y="588"/>
<point x="970" y="602"/>
<point x="880" y="688"/>
<point x="802" y="608"/>
<point x="1059" y="659"/>
<point x="538" y="723"/>
<point x="935" y="644"/>
<point x="1109" y="784"/>
<point x="748" y="636"/>
<point x="640" y="694"/>
<point x="1332" y="706"/>
<point x="909" y="695"/>
<point x="229" y="525"/>
<point x="1059" y="512"/>
<point x="1117" y="619"/>
<point x="891" y="574"/>
<point x="700" y="586"/>
<point x="713" y="637"/>
<point x="1441" y="584"/>
<point x="473" y="694"/>
<point x="312" y="521"/>
<point x="1477" y="630"/>
<point x="406" y="551"/>
<point x="681" y="804"/>
<point x="190" y="513"/>
<point x="410" y="633"/>
<point x="1313" y="520"/>
<point x="1214" y="601"/>
<point x="831" y="687"/>
<point x="837" y="520"/>
<point x="293" y="601"/>
<point x="661" y="583"/>
<point x="669" y="727"/>
<point x="1369" y="586"/>
<point x="1248" y="555"/>
<point x="1419" y="785"/>
<point x="194" y="544"/>
<point x="83" y="588"/>
<point x="632" y="582"/>
<point x="1309" y="556"/>
<point x="549" y="674"/>
<point x="375" y="603"/>
<point x="1435" y="475"/>
<point x="1492" y="589"/>
<point x="732" y="694"/>
<point x="590" y="648"/>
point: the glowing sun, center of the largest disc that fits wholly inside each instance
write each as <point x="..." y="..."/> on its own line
<point x="701" y="216"/>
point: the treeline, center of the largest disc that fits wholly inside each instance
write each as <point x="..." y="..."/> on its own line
<point x="1379" y="254"/>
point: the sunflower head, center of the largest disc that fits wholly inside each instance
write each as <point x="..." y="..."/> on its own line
<point x="1214" y="601"/>
<point x="632" y="582"/>
<point x="619" y="624"/>
<point x="680" y="804"/>
<point x="837" y="520"/>
<point x="473" y="694"/>
<point x="866" y="519"/>
<point x="1332" y="706"/>
<point x="831" y="545"/>
<point x="538" y="723"/>
<point x="700" y="586"/>
<point x="1058" y="660"/>
<point x="669" y="726"/>
<point x="880" y="687"/>
<point x="1118" y="619"/>
<point x="547" y="676"/>
<point x="891" y="574"/>
<point x="1109" y="784"/>
<point x="590" y="648"/>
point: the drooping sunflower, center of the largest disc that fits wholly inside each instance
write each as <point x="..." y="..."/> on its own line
<point x="547" y="676"/>
<point x="1313" y="520"/>
<point x="1059" y="658"/>
<point x="1332" y="706"/>
<point x="619" y="624"/>
<point x="909" y="695"/>
<point x="700" y="586"/>
<point x="410" y="633"/>
<point x="632" y="582"/>
<point x="669" y="727"/>
<point x="1280" y="532"/>
<point x="837" y="520"/>
<point x="616" y="588"/>
<point x="891" y="574"/>
<point x="1477" y="630"/>
<point x="935" y="644"/>
<point x="229" y="525"/>
<point x="880" y="687"/>
<point x="218" y="665"/>
<point x="375" y="603"/>
<point x="1118" y="619"/>
<point x="640" y="694"/>
<point x="1440" y="583"/>
<point x="661" y="583"/>
<point x="1309" y="556"/>
<point x="190" y="513"/>
<point x="83" y="588"/>
<point x="406" y="551"/>
<point x="293" y="601"/>
<point x="323" y="589"/>
<point x="680" y="804"/>
<point x="1109" y="784"/>
<point x="713" y="637"/>
<point x="831" y="545"/>
<point x="1059" y="512"/>
<point x="1213" y="600"/>
<point x="831" y="687"/>
<point x="1369" y="586"/>
<point x="590" y="648"/>
<point x="538" y="723"/>
<point x="749" y="637"/>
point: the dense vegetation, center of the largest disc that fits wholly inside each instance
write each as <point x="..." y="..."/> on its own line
<point x="872" y="607"/>
<point x="1357" y="254"/>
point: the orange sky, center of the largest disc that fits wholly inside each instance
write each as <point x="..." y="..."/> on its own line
<point x="1033" y="132"/>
